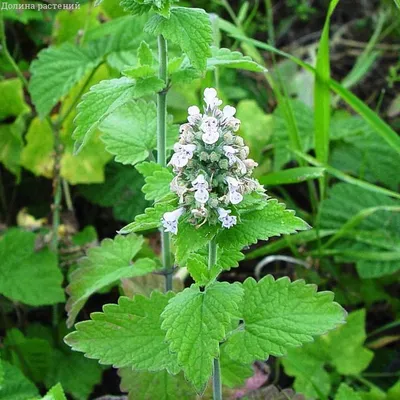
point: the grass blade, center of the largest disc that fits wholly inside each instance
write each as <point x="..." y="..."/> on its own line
<point x="348" y="178"/>
<point x="292" y="175"/>
<point x="378" y="124"/>
<point x="322" y="96"/>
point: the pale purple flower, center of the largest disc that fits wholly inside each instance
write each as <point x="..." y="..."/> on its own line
<point x="230" y="152"/>
<point x="201" y="185"/>
<point x="170" y="220"/>
<point x="183" y="153"/>
<point x="233" y="185"/>
<point x="227" y="220"/>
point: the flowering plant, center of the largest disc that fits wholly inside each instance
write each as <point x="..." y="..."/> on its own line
<point x="211" y="166"/>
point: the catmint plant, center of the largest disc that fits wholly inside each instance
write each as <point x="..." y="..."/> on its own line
<point x="208" y="208"/>
<point x="212" y="170"/>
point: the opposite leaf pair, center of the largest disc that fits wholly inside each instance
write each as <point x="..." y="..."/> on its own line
<point x="185" y="331"/>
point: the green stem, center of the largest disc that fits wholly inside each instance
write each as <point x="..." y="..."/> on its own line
<point x="217" y="385"/>
<point x="67" y="195"/>
<point x="162" y="150"/>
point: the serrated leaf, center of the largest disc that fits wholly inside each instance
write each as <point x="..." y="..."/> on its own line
<point x="130" y="133"/>
<point x="190" y="28"/>
<point x="16" y="386"/>
<point x="27" y="276"/>
<point x="102" y="100"/>
<point x="55" y="72"/>
<point x="31" y="355"/>
<point x="232" y="59"/>
<point x="77" y="375"/>
<point x="273" y="220"/>
<point x="151" y="219"/>
<point x="345" y="392"/>
<point x="160" y="385"/>
<point x="142" y="7"/>
<point x="145" y="55"/>
<point x="157" y="180"/>
<point x="195" y="323"/>
<point x="55" y="393"/>
<point x="279" y="315"/>
<point x="105" y="264"/>
<point x="127" y="334"/>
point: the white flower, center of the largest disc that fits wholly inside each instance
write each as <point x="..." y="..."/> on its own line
<point x="227" y="220"/>
<point x="194" y="110"/>
<point x="230" y="152"/>
<point x="233" y="185"/>
<point x="250" y="163"/>
<point x="201" y="185"/>
<point x="200" y="182"/>
<point x="210" y="137"/>
<point x="201" y="195"/>
<point x="200" y="212"/>
<point x="175" y="187"/>
<point x="183" y="153"/>
<point x="210" y="98"/>
<point x="210" y="129"/>
<point x="170" y="220"/>
<point x="229" y="112"/>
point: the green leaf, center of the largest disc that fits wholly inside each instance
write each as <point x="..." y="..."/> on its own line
<point x="151" y="219"/>
<point x="121" y="191"/>
<point x="16" y="386"/>
<point x="189" y="28"/>
<point x="279" y="315"/>
<point x="232" y="59"/>
<point x="27" y="276"/>
<point x="77" y="375"/>
<point x="160" y="385"/>
<point x="292" y="175"/>
<point x="234" y="373"/>
<point x="105" y="264"/>
<point x="11" y="144"/>
<point x="127" y="334"/>
<point x="307" y="363"/>
<point x="157" y="180"/>
<point x="353" y="357"/>
<point x="190" y="239"/>
<point x="55" y="393"/>
<point x="55" y="72"/>
<point x="31" y="355"/>
<point x="130" y="133"/>
<point x="273" y="220"/>
<point x="12" y="102"/>
<point x="345" y="392"/>
<point x="162" y="7"/>
<point x="1" y="373"/>
<point x="196" y="322"/>
<point x="101" y="101"/>
<point x="38" y="155"/>
<point x="145" y="55"/>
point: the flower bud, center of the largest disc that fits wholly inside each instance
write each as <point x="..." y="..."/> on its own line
<point x="239" y="141"/>
<point x="204" y="156"/>
<point x="223" y="164"/>
<point x="214" y="157"/>
<point x="228" y="138"/>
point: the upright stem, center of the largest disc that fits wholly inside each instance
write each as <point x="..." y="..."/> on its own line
<point x="217" y="385"/>
<point x="161" y="150"/>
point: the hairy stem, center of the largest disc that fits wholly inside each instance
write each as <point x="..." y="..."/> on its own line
<point x="217" y="385"/>
<point x="161" y="150"/>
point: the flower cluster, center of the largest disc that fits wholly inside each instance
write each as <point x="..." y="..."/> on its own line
<point x="212" y="170"/>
